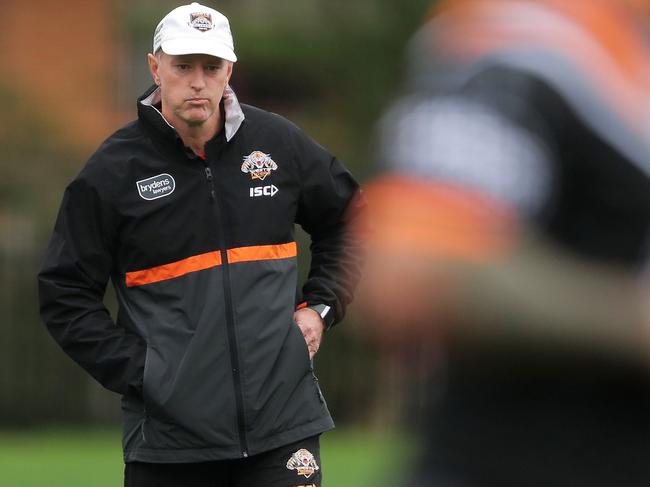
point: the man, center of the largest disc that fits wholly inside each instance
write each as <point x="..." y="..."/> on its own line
<point x="513" y="218"/>
<point x="190" y="211"/>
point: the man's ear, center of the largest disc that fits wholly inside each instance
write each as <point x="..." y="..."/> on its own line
<point x="230" y="66"/>
<point x="154" y="64"/>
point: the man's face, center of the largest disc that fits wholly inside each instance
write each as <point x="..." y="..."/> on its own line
<point x="191" y="86"/>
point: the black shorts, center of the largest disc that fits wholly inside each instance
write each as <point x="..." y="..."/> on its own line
<point x="294" y="465"/>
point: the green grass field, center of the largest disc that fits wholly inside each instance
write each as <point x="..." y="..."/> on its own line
<point x="91" y="458"/>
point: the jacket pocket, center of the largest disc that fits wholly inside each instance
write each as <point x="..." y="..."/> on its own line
<point x="154" y="412"/>
<point x="310" y="363"/>
<point x="304" y="348"/>
<point x="186" y="397"/>
<point x="145" y="383"/>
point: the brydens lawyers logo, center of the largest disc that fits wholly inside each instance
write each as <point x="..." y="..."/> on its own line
<point x="259" y="165"/>
<point x="156" y="187"/>
<point x="201" y="21"/>
<point x="303" y="463"/>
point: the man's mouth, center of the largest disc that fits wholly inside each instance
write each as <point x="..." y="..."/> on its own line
<point x="197" y="100"/>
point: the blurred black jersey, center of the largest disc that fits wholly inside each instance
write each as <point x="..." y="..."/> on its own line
<point x="544" y="107"/>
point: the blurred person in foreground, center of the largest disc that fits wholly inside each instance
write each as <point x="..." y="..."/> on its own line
<point x="511" y="233"/>
<point x="190" y="210"/>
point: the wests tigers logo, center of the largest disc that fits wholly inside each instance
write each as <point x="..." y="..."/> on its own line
<point x="258" y="165"/>
<point x="303" y="462"/>
<point x="201" y="21"/>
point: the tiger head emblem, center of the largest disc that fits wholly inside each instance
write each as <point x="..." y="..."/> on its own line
<point x="303" y="462"/>
<point x="259" y="165"/>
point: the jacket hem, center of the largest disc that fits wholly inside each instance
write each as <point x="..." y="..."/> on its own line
<point x="296" y="434"/>
<point x="196" y="455"/>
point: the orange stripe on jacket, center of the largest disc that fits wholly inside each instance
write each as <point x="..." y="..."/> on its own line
<point x="174" y="269"/>
<point x="263" y="252"/>
<point x="208" y="260"/>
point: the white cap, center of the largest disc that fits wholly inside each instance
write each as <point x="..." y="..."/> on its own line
<point x="195" y="29"/>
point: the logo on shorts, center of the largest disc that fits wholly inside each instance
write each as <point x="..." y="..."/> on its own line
<point x="303" y="462"/>
<point x="201" y="21"/>
<point x="156" y="187"/>
<point x="258" y="165"/>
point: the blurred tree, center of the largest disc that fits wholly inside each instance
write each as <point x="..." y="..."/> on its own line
<point x="37" y="383"/>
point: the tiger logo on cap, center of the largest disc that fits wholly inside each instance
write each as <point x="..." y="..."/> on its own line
<point x="201" y="21"/>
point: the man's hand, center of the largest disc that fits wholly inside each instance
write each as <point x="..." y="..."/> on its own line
<point x="311" y="325"/>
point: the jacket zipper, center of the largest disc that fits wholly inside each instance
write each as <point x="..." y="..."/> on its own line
<point x="230" y="320"/>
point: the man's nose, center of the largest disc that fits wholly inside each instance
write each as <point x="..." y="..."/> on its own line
<point x="198" y="79"/>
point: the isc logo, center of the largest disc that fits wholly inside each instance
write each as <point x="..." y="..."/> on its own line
<point x="263" y="191"/>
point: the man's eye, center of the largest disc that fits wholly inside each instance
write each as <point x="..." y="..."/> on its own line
<point x="212" y="68"/>
<point x="183" y="67"/>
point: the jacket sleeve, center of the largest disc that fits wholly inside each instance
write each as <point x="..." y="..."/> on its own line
<point x="330" y="203"/>
<point x="72" y="283"/>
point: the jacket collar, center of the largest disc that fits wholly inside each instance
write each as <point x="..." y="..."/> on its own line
<point x="149" y="103"/>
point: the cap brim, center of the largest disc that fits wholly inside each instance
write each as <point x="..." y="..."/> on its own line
<point x="178" y="47"/>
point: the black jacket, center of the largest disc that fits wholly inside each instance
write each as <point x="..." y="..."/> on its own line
<point x="202" y="256"/>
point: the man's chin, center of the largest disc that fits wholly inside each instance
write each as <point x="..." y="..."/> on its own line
<point x="196" y="122"/>
<point x="196" y="119"/>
